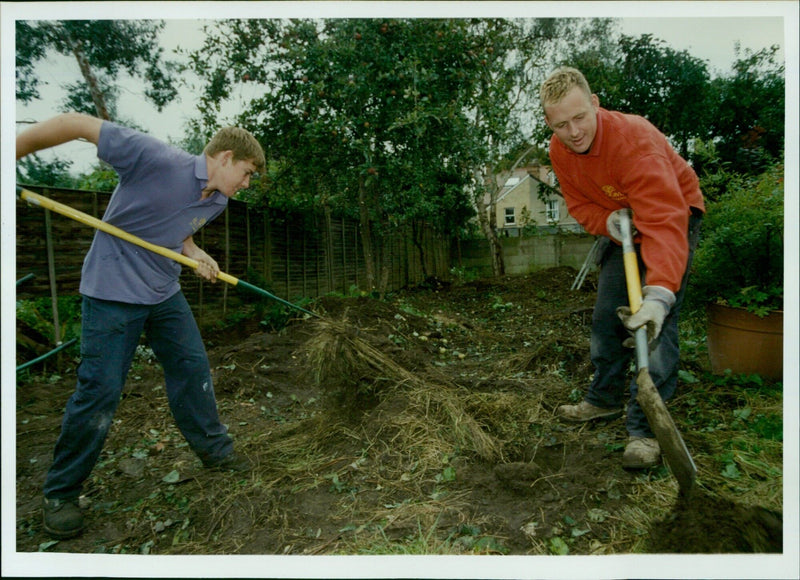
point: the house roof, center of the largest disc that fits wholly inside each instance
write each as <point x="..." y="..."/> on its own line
<point x="547" y="186"/>
<point x="511" y="185"/>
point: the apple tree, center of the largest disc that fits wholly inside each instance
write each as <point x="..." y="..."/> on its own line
<point x="392" y="121"/>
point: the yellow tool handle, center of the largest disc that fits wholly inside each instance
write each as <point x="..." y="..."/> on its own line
<point x="634" y="284"/>
<point x="632" y="278"/>
<point x="633" y="281"/>
<point x="36" y="199"/>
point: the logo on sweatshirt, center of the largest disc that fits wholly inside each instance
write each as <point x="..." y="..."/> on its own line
<point x="612" y="193"/>
<point x="198" y="223"/>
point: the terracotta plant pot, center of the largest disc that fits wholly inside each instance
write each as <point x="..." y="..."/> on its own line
<point x="745" y="343"/>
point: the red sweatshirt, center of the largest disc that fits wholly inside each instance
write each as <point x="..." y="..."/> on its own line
<point x="632" y="165"/>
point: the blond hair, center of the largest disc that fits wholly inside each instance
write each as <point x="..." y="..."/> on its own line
<point x="560" y="82"/>
<point x="244" y="146"/>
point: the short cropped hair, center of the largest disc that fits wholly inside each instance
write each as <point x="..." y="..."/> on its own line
<point x="560" y="82"/>
<point x="245" y="147"/>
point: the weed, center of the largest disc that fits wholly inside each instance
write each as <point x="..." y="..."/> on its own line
<point x="339" y="486"/>
<point x="38" y="315"/>
<point x="448" y="474"/>
<point x="767" y="426"/>
<point x="408" y="309"/>
<point x="558" y="546"/>
<point x="575" y="395"/>
<point x="500" y="305"/>
<point x="729" y="468"/>
<point x="463" y="275"/>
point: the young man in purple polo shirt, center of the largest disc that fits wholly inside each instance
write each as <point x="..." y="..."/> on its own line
<point x="164" y="196"/>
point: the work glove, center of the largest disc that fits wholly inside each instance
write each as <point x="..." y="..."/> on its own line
<point x="656" y="304"/>
<point x="612" y="223"/>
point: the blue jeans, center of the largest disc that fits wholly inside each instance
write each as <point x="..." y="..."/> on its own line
<point x="612" y="360"/>
<point x="110" y="334"/>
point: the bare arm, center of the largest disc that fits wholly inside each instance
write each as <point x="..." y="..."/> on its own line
<point x="58" y="130"/>
<point x="207" y="267"/>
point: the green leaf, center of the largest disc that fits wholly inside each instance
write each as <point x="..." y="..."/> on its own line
<point x="172" y="477"/>
<point x="145" y="548"/>
<point x="449" y="474"/>
<point x="731" y="471"/>
<point x="558" y="546"/>
<point x="45" y="545"/>
<point x="597" y="514"/>
<point x="489" y="544"/>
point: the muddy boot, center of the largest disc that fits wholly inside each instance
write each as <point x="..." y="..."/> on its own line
<point x="62" y="517"/>
<point x="583" y="412"/>
<point x="232" y="462"/>
<point x="641" y="453"/>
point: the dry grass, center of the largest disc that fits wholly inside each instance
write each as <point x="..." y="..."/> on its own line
<point x="429" y="419"/>
<point x="340" y="358"/>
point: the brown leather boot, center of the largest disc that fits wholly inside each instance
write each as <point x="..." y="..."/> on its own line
<point x="584" y="411"/>
<point x="641" y="453"/>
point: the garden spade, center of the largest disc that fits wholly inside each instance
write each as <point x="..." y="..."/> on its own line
<point x="65" y="210"/>
<point x="678" y="458"/>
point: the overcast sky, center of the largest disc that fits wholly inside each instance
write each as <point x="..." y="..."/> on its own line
<point x="704" y="34"/>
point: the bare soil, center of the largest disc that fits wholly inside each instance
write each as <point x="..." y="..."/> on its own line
<point x="465" y="453"/>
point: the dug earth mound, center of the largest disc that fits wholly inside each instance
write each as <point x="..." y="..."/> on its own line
<point x="421" y="423"/>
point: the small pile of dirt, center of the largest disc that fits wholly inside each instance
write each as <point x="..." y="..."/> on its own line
<point x="701" y="524"/>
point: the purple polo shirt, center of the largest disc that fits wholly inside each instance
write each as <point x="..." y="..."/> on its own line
<point x="158" y="200"/>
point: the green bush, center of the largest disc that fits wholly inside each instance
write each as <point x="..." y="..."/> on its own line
<point x="739" y="260"/>
<point x="38" y="315"/>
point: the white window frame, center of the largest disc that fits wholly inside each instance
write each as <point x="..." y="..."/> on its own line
<point x="553" y="211"/>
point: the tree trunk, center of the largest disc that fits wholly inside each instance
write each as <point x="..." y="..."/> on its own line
<point x="487" y="218"/>
<point x="416" y="234"/>
<point x="94" y="88"/>
<point x="366" y="235"/>
<point x="386" y="265"/>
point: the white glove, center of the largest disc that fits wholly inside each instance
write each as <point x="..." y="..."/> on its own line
<point x="612" y="223"/>
<point x="656" y="305"/>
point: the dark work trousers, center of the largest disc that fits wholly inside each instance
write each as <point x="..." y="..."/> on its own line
<point x="611" y="359"/>
<point x="110" y="334"/>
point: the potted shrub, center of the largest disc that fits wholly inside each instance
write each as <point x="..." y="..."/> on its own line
<point x="738" y="270"/>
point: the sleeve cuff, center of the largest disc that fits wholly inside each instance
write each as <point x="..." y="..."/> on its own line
<point x="659" y="294"/>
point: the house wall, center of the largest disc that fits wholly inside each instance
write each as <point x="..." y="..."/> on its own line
<point x="525" y="196"/>
<point x="523" y="255"/>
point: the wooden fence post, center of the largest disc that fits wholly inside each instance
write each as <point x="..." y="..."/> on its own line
<point x="227" y="258"/>
<point x="287" y="270"/>
<point x="51" y="272"/>
<point x="344" y="258"/>
<point x="356" y="253"/>
<point x="247" y="233"/>
<point x="305" y="259"/>
<point x="267" y="246"/>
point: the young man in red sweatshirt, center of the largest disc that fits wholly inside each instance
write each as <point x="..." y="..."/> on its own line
<point x="607" y="163"/>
